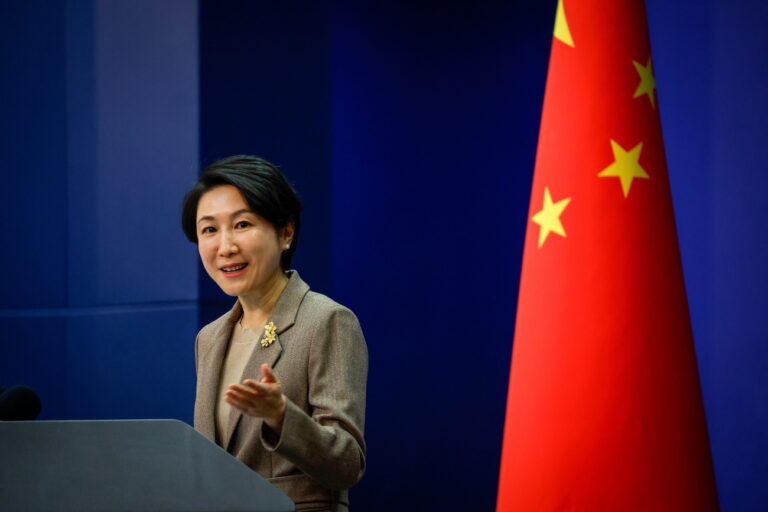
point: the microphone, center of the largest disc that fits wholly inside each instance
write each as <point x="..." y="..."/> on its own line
<point x="19" y="403"/>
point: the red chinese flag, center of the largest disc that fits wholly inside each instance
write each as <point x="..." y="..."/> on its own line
<point x="604" y="408"/>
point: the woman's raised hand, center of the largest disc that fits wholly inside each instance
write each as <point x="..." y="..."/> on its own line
<point x="263" y="399"/>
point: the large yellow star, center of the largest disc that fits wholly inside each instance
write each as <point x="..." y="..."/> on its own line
<point x="625" y="166"/>
<point x="549" y="217"/>
<point x="562" y="32"/>
<point x="647" y="82"/>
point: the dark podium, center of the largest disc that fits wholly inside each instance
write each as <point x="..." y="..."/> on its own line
<point x="135" y="465"/>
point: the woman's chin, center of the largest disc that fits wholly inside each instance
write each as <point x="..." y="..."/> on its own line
<point x="231" y="290"/>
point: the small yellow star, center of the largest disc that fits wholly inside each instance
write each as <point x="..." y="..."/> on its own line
<point x="549" y="217"/>
<point x="647" y="82"/>
<point x="625" y="166"/>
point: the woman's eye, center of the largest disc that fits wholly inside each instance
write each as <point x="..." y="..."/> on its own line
<point x="242" y="224"/>
<point x="208" y="229"/>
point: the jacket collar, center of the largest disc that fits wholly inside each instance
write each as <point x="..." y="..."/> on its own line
<point x="283" y="314"/>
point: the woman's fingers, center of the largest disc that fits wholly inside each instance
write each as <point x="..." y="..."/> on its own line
<point x="264" y="398"/>
<point x="268" y="375"/>
<point x="237" y="403"/>
<point x="253" y="396"/>
<point x="247" y="403"/>
<point x="243" y="393"/>
<point x="249" y="386"/>
<point x="263" y="388"/>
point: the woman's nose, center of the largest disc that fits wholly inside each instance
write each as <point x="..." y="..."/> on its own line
<point x="227" y="245"/>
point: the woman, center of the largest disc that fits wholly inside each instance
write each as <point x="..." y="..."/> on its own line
<point x="280" y="377"/>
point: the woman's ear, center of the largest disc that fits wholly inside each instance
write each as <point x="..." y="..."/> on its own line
<point x="286" y="236"/>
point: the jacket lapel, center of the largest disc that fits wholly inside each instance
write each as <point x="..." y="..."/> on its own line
<point x="259" y="356"/>
<point x="283" y="316"/>
<point x="287" y="307"/>
<point x="210" y="372"/>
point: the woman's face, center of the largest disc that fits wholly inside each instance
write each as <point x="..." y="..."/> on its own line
<point x="239" y="249"/>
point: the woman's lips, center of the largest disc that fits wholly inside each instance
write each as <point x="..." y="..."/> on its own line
<point x="233" y="270"/>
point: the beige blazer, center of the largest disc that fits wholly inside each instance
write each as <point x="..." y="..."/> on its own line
<point x="321" y="359"/>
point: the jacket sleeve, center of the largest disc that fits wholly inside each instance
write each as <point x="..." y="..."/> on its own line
<point x="328" y="445"/>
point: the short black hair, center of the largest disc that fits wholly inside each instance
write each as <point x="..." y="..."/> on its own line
<point x="263" y="187"/>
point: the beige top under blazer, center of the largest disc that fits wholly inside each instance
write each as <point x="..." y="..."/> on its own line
<point x="321" y="359"/>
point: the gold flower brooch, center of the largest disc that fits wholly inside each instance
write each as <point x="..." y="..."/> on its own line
<point x="270" y="331"/>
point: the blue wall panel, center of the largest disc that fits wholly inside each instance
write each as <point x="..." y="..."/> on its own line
<point x="714" y="110"/>
<point x="740" y="250"/>
<point x="265" y="90"/>
<point x="435" y="119"/>
<point x="104" y="363"/>
<point x="34" y="349"/>
<point x="132" y="363"/>
<point x="100" y="131"/>
<point x="33" y="148"/>
<point x="134" y="85"/>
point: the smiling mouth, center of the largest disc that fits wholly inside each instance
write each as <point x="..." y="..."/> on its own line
<point x="230" y="269"/>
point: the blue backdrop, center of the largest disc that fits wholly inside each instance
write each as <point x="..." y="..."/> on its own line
<point x="409" y="128"/>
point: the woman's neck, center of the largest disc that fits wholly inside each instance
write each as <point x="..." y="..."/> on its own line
<point x="259" y="305"/>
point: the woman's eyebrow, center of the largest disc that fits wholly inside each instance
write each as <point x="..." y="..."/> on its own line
<point x="231" y="216"/>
